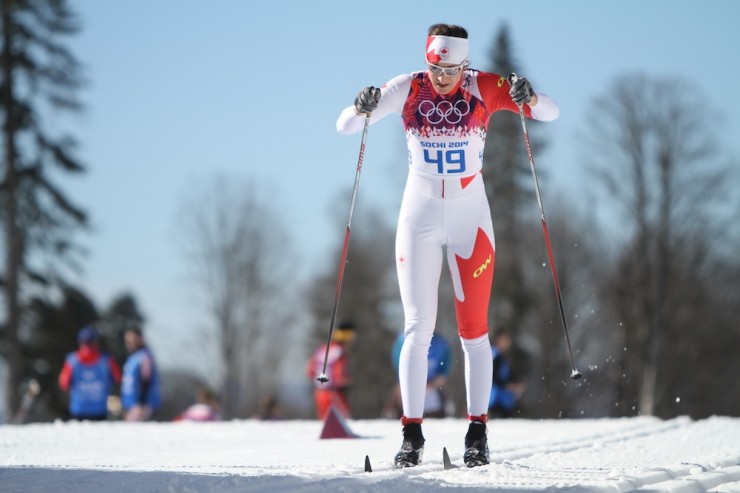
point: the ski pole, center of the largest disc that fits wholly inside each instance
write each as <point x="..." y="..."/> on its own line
<point x="574" y="374"/>
<point x="323" y="378"/>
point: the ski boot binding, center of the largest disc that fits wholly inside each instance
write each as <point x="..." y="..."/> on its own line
<point x="412" y="449"/>
<point x="476" y="445"/>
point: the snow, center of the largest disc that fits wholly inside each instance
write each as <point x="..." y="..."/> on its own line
<point x="611" y="455"/>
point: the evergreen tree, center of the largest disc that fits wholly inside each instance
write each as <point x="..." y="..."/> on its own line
<point x="523" y="298"/>
<point x="509" y="188"/>
<point x="38" y="76"/>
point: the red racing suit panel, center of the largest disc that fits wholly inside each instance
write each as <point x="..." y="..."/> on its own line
<point x="476" y="277"/>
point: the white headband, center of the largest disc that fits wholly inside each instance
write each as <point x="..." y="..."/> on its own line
<point x="447" y="49"/>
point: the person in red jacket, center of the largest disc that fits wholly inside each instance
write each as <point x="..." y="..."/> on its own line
<point x="333" y="392"/>
<point x="89" y="375"/>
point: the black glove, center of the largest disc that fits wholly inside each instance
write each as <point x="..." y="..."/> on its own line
<point x="521" y="91"/>
<point x="367" y="100"/>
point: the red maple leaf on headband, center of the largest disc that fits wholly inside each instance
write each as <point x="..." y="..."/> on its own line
<point x="432" y="57"/>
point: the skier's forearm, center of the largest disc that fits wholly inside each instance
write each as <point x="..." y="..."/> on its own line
<point x="544" y="108"/>
<point x="349" y="122"/>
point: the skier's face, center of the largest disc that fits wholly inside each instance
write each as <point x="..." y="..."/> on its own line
<point x="445" y="76"/>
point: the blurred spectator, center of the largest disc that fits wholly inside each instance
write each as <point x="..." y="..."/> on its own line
<point x="140" y="387"/>
<point x="205" y="409"/>
<point x="506" y="391"/>
<point x="438" y="360"/>
<point x="333" y="392"/>
<point x="89" y="376"/>
<point x="269" y="408"/>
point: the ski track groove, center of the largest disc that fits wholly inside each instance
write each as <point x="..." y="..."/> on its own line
<point x="511" y="454"/>
<point x="683" y="480"/>
<point x="658" y="480"/>
<point x="637" y="431"/>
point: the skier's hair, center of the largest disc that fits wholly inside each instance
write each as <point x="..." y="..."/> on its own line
<point x="448" y="30"/>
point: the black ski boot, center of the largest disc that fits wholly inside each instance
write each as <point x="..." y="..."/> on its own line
<point x="476" y="445"/>
<point x="412" y="448"/>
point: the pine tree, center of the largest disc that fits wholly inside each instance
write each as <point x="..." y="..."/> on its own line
<point x="39" y="76"/>
<point x="522" y="298"/>
<point x="509" y="188"/>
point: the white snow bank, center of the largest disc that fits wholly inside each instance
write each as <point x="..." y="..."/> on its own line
<point x="643" y="454"/>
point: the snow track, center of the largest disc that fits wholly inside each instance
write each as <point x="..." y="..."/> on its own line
<point x="609" y="455"/>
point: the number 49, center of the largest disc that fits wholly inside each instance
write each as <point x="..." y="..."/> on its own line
<point x="443" y="160"/>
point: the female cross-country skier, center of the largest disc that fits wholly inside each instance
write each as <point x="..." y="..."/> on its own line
<point x="445" y="111"/>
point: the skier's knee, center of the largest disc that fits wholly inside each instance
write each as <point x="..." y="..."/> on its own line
<point x="472" y="331"/>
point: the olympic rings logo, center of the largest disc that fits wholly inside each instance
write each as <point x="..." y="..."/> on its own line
<point x="452" y="113"/>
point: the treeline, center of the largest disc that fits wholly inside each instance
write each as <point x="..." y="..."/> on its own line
<point x="648" y="268"/>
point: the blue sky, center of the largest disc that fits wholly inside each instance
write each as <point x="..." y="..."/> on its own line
<point x="181" y="90"/>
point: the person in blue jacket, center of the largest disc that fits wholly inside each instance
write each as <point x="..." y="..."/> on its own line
<point x="505" y="392"/>
<point x="438" y="361"/>
<point x="140" y="395"/>
<point x="89" y="376"/>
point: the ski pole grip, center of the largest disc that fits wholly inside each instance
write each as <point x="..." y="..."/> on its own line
<point x="513" y="78"/>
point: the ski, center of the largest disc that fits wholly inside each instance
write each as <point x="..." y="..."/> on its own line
<point x="446" y="463"/>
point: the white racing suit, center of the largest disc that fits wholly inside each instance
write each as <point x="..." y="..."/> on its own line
<point x="445" y="209"/>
